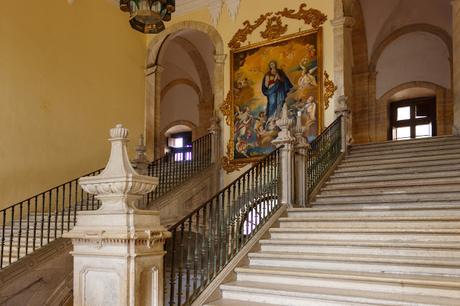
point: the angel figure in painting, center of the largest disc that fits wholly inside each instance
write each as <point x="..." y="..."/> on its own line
<point x="275" y="86"/>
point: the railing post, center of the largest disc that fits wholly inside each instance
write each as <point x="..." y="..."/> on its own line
<point x="341" y="108"/>
<point x="215" y="132"/>
<point x="286" y="142"/>
<point x="118" y="249"/>
<point x="300" y="164"/>
<point x="141" y="162"/>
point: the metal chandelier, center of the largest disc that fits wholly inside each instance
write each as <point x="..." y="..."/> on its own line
<point x="147" y="16"/>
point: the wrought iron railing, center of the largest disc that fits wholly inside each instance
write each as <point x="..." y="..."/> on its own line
<point x="35" y="222"/>
<point x="322" y="154"/>
<point x="204" y="241"/>
<point x="172" y="172"/>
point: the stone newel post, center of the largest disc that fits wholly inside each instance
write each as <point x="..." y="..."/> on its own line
<point x="300" y="160"/>
<point x="118" y="249"/>
<point x="141" y="162"/>
<point x="215" y="131"/>
<point x="286" y="140"/>
<point x="341" y="108"/>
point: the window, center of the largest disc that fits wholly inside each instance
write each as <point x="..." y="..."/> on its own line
<point x="415" y="118"/>
<point x="180" y="146"/>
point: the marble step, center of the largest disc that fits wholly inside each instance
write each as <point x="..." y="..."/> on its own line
<point x="407" y="153"/>
<point x="410" y="189"/>
<point x="382" y="176"/>
<point x="407" y="284"/>
<point x="229" y="302"/>
<point x="358" y="263"/>
<point x="250" y="293"/>
<point x="388" y="248"/>
<point x="405" y="143"/>
<point x="399" y="211"/>
<point x="451" y="235"/>
<point x="363" y="153"/>
<point x="393" y="204"/>
<point x="394" y="166"/>
<point x="372" y="222"/>
<point x="453" y="157"/>
<point x="393" y="184"/>
<point x="365" y="196"/>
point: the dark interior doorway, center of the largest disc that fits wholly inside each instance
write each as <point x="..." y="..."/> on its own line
<point x="414" y="118"/>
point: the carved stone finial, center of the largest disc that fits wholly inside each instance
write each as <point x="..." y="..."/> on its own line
<point x="284" y="123"/>
<point x="119" y="185"/>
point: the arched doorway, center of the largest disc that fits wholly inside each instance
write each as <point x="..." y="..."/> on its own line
<point x="184" y="79"/>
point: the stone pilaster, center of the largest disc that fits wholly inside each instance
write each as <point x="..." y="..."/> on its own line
<point x="215" y="131"/>
<point x="118" y="249"/>
<point x="456" y="65"/>
<point x="300" y="164"/>
<point x="286" y="142"/>
<point x="152" y="108"/>
<point x="343" y="55"/>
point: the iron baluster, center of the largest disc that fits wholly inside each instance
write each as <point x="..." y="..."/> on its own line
<point x="28" y="227"/>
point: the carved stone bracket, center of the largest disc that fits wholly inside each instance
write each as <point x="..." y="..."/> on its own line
<point x="329" y="89"/>
<point x="226" y="108"/>
<point x="275" y="27"/>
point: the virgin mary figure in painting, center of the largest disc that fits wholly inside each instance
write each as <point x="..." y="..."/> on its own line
<point x="275" y="87"/>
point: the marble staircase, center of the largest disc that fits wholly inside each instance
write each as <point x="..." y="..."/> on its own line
<point x="383" y="230"/>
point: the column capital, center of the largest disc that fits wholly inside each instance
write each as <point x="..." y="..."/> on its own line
<point x="155" y="69"/>
<point x="345" y="21"/>
<point x="220" y="58"/>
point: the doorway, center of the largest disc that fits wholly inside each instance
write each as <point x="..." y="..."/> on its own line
<point x="414" y="118"/>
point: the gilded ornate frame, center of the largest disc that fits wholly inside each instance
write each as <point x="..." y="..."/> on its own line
<point x="273" y="34"/>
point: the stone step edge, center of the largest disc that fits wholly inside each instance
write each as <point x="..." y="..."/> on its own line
<point x="403" y="149"/>
<point x="395" y="183"/>
<point x="373" y="219"/>
<point x="437" y="231"/>
<point x="328" y="294"/>
<point x="374" y="209"/>
<point x="396" y="155"/>
<point x="362" y="243"/>
<point x="345" y="258"/>
<point x="399" y="279"/>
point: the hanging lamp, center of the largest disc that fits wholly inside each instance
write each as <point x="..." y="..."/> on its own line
<point x="148" y="16"/>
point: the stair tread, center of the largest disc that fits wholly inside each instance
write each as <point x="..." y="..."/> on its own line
<point x="318" y="208"/>
<point x="412" y="260"/>
<point x="370" y="230"/>
<point x="230" y="302"/>
<point x="380" y="219"/>
<point x="370" y="243"/>
<point x="305" y="291"/>
<point x="399" y="278"/>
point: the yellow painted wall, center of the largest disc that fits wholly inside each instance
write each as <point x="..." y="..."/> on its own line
<point x="67" y="74"/>
<point x="251" y="10"/>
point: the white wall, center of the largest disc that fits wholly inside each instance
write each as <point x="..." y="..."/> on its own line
<point x="417" y="56"/>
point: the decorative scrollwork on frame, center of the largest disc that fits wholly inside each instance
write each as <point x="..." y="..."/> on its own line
<point x="274" y="29"/>
<point x="311" y="16"/>
<point x="229" y="166"/>
<point x="329" y="89"/>
<point x="242" y="34"/>
<point x="226" y="108"/>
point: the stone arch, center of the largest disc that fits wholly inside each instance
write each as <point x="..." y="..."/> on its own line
<point x="153" y="76"/>
<point x="419" y="27"/>
<point x="176" y="82"/>
<point x="444" y="115"/>
<point x="162" y="140"/>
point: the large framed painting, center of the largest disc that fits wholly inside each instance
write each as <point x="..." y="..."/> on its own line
<point x="264" y="78"/>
